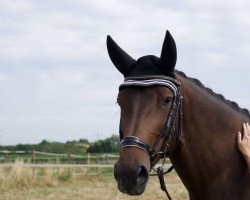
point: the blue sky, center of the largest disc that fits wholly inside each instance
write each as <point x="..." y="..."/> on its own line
<point x="56" y="79"/>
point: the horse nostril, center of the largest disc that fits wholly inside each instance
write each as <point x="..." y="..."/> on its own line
<point x="142" y="175"/>
<point x="127" y="177"/>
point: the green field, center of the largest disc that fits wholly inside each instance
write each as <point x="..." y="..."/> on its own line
<point x="74" y="184"/>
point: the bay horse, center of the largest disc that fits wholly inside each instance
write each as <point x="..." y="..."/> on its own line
<point x="165" y="113"/>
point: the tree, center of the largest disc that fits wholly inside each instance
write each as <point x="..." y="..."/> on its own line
<point x="108" y="145"/>
<point x="44" y="142"/>
<point x="84" y="141"/>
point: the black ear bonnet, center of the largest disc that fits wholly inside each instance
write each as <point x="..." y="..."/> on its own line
<point x="146" y="65"/>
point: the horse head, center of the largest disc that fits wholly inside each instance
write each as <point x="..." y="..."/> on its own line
<point x="149" y="100"/>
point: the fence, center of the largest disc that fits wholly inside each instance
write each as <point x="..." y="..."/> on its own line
<point x="88" y="164"/>
<point x="93" y="163"/>
<point x="37" y="157"/>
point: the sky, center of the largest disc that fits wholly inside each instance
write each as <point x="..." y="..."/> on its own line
<point x="58" y="83"/>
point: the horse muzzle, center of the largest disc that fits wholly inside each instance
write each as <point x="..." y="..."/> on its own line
<point x="131" y="180"/>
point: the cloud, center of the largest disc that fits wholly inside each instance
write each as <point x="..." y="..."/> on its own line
<point x="57" y="82"/>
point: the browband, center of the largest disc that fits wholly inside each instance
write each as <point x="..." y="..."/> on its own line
<point x="145" y="81"/>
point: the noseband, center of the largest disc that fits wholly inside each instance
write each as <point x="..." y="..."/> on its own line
<point x="169" y="128"/>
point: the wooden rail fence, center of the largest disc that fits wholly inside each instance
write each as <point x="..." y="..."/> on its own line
<point x="37" y="157"/>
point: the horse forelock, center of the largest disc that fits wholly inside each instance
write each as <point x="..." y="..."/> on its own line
<point x="232" y="104"/>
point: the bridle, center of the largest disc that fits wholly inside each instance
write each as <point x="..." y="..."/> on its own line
<point x="169" y="128"/>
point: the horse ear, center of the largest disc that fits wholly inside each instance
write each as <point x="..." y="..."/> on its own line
<point x="168" y="54"/>
<point x="122" y="61"/>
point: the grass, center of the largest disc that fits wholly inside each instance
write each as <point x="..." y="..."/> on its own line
<point x="62" y="184"/>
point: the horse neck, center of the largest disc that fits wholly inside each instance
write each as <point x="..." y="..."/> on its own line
<point x="209" y="154"/>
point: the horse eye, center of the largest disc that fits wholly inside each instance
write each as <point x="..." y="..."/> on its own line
<point x="167" y="101"/>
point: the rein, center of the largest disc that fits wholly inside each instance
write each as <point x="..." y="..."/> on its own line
<point x="169" y="129"/>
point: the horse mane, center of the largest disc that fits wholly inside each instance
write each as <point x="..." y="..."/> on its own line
<point x="232" y="104"/>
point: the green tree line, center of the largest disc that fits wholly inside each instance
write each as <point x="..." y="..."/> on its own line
<point x="82" y="146"/>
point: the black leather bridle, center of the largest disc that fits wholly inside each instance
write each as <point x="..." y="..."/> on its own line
<point x="167" y="133"/>
<point x="168" y="130"/>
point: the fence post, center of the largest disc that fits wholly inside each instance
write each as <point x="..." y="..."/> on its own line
<point x="106" y="158"/>
<point x="97" y="168"/>
<point x="88" y="158"/>
<point x="69" y="156"/>
<point x="69" y="162"/>
<point x="6" y="157"/>
<point x="33" y="156"/>
<point x="33" y="162"/>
